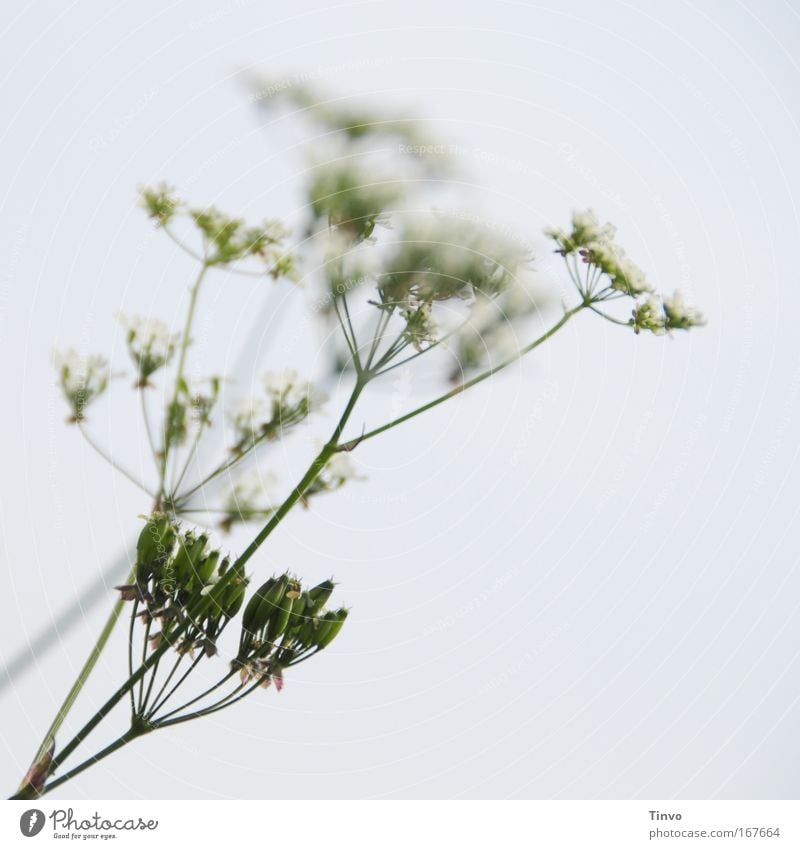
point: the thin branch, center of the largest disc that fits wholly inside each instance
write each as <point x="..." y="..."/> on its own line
<point x="111" y="461"/>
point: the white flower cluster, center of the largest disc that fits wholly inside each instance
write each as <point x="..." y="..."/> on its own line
<point x="438" y="257"/>
<point x="289" y="400"/>
<point x="150" y="344"/>
<point x="82" y="379"/>
<point x="595" y="243"/>
<point x="286" y="389"/>
<point x="586" y="232"/>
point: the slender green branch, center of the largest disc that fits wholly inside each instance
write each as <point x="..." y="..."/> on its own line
<point x="158" y="703"/>
<point x="83" y="676"/>
<point x="227" y="701"/>
<point x="126" y="738"/>
<point x="313" y="471"/>
<point x="111" y="461"/>
<point x="148" y="428"/>
<point x="189" y="457"/>
<point x="351" y="444"/>
<point x="222" y="468"/>
<point x="196" y="699"/>
<point x="179" y="375"/>
<point x="26" y="792"/>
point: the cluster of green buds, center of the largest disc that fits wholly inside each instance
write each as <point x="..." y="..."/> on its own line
<point x="178" y="582"/>
<point x="225" y="239"/>
<point x="282" y="626"/>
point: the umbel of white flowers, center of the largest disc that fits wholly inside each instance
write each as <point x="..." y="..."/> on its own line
<point x="594" y="243"/>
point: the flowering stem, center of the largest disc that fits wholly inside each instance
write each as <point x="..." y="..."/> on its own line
<point x="350" y="445"/>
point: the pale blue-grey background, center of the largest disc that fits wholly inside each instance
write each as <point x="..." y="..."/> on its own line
<point x="580" y="581"/>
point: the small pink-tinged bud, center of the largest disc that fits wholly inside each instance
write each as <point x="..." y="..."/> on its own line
<point x="35" y="778"/>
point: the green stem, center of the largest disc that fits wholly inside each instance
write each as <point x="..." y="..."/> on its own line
<point x="351" y="444"/>
<point x="313" y="471"/>
<point x="111" y="461"/>
<point x="27" y="792"/>
<point x="148" y="429"/>
<point x="179" y="376"/>
<point x="126" y="738"/>
<point x="83" y="676"/>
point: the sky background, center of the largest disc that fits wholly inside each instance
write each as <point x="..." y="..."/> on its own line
<point x="580" y="580"/>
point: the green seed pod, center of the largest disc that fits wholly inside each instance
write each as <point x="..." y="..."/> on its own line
<point x="321" y="632"/>
<point x="299" y="612"/>
<point x="335" y="619"/>
<point x="182" y="563"/>
<point x="206" y="567"/>
<point x="234" y="597"/>
<point x="273" y="598"/>
<point x="320" y="594"/>
<point x="155" y="543"/>
<point x="197" y="551"/>
<point x="307" y="633"/>
<point x="279" y="619"/>
<point x="250" y="619"/>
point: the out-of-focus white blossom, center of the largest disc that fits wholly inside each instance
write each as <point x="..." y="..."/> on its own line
<point x="679" y="316"/>
<point x="82" y="379"/>
<point x="150" y="344"/>
<point x="438" y="257"/>
<point x="289" y="400"/>
<point x="612" y="260"/>
<point x="659" y="316"/>
<point x="587" y="231"/>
